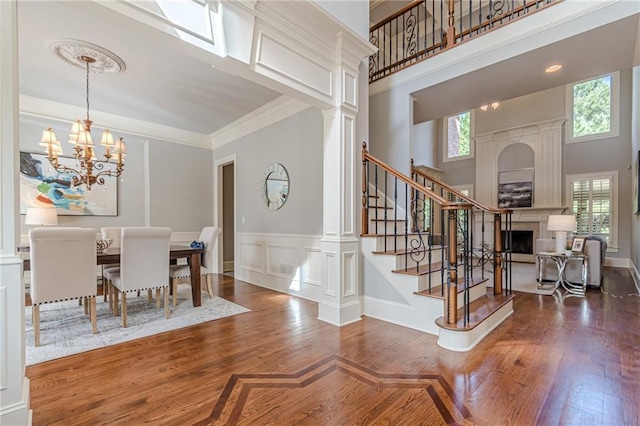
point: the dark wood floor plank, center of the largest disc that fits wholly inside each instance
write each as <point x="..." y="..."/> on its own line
<point x="556" y="360"/>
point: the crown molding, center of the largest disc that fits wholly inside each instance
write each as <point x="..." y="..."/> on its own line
<point x="42" y="108"/>
<point x="266" y="115"/>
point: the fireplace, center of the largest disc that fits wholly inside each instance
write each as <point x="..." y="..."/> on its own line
<point x="524" y="236"/>
<point x="521" y="242"/>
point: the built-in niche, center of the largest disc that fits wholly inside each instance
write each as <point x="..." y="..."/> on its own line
<point x="516" y="176"/>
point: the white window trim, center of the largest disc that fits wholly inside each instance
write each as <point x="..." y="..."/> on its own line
<point x="612" y="247"/>
<point x="615" y="110"/>
<point x="445" y="140"/>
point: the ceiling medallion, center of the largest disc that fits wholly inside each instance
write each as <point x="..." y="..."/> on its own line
<point x="75" y="52"/>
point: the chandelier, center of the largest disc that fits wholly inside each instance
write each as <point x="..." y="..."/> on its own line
<point x="90" y="171"/>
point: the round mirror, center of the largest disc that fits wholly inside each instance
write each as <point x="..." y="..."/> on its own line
<point x="275" y="186"/>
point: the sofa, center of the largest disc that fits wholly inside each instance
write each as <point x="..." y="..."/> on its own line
<point x="595" y="248"/>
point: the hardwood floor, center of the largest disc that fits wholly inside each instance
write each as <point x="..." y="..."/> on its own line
<point x="556" y="360"/>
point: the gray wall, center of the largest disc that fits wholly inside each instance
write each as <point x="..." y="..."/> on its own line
<point x="296" y="143"/>
<point x="584" y="157"/>
<point x="181" y="178"/>
<point x="181" y="186"/>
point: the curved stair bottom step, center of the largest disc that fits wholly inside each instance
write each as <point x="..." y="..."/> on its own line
<point x="464" y="338"/>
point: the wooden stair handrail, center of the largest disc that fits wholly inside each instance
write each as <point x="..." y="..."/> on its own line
<point x="413" y="184"/>
<point x="468" y="199"/>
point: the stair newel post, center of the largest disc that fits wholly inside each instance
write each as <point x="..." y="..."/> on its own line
<point x="365" y="195"/>
<point x="450" y="35"/>
<point x="497" y="253"/>
<point x="414" y="203"/>
<point x="451" y="296"/>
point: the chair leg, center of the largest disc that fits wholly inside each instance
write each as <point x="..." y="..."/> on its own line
<point x="116" y="294"/>
<point x="35" y="312"/>
<point x="86" y="305"/>
<point x="174" y="290"/>
<point x="124" y="310"/>
<point x="209" y="285"/>
<point x="149" y="297"/>
<point x="166" y="302"/>
<point x="104" y="291"/>
<point x="157" y="298"/>
<point x="94" y="328"/>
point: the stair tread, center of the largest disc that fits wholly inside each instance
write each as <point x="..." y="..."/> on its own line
<point x="436" y="291"/>
<point x="381" y="207"/>
<point x="388" y="220"/>
<point x="479" y="310"/>
<point x="410" y="234"/>
<point x="404" y="251"/>
<point x="422" y="270"/>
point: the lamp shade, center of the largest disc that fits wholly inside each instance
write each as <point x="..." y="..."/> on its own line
<point x="562" y="223"/>
<point x="41" y="216"/>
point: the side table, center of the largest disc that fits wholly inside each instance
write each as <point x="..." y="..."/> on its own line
<point x="561" y="260"/>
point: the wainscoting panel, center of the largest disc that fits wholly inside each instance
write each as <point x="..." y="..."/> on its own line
<point x="251" y="254"/>
<point x="286" y="263"/>
<point x="312" y="266"/>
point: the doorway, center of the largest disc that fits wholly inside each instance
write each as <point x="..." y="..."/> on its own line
<point x="228" y="218"/>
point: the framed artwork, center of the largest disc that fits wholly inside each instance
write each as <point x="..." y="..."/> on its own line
<point x="578" y="245"/>
<point x="41" y="185"/>
<point x="515" y="188"/>
<point x="636" y="183"/>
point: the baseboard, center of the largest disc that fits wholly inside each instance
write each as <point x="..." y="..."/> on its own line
<point x="228" y="266"/>
<point x="635" y="275"/>
<point x="617" y="262"/>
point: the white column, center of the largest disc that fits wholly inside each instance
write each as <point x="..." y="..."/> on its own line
<point x="14" y="386"/>
<point x="340" y="300"/>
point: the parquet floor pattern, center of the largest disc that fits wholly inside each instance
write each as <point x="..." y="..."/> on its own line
<point x="558" y="360"/>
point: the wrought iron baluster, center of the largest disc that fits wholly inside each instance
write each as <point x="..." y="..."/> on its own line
<point x="386" y="234"/>
<point x="406" y="225"/>
<point x="395" y="214"/>
<point x="376" y="195"/>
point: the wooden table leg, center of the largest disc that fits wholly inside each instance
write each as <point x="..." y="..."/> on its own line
<point x="196" y="292"/>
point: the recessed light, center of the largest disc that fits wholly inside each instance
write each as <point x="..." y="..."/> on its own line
<point x="553" y="68"/>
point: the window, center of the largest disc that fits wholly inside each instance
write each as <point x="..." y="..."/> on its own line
<point x="593" y="200"/>
<point x="592" y="108"/>
<point x="458" y="144"/>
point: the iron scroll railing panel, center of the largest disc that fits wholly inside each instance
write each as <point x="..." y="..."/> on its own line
<point x="420" y="30"/>
<point x="486" y="255"/>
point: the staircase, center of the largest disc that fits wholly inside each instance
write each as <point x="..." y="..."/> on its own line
<point x="427" y="240"/>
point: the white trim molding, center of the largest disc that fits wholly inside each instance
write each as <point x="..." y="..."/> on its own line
<point x="266" y="115"/>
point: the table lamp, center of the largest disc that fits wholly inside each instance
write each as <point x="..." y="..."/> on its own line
<point x="561" y="224"/>
<point x="41" y="216"/>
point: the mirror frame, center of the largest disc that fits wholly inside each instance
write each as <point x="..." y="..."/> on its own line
<point x="273" y="198"/>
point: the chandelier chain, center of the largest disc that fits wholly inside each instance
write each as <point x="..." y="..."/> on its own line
<point x="87" y="90"/>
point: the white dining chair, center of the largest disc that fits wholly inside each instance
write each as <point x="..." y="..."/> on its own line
<point x="63" y="267"/>
<point x="113" y="233"/>
<point x="144" y="265"/>
<point x="181" y="274"/>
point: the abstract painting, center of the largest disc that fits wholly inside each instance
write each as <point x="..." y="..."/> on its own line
<point x="41" y="185"/>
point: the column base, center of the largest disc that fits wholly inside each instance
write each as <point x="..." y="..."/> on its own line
<point x="340" y="315"/>
<point x="18" y="414"/>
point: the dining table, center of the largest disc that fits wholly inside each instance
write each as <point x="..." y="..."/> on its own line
<point x="193" y="255"/>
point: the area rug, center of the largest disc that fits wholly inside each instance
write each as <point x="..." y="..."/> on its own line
<point x="65" y="330"/>
<point x="524" y="279"/>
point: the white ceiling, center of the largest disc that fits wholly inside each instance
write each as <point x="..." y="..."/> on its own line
<point x="161" y="83"/>
<point x="166" y="85"/>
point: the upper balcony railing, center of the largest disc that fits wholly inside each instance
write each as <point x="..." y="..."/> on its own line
<point x="427" y="27"/>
